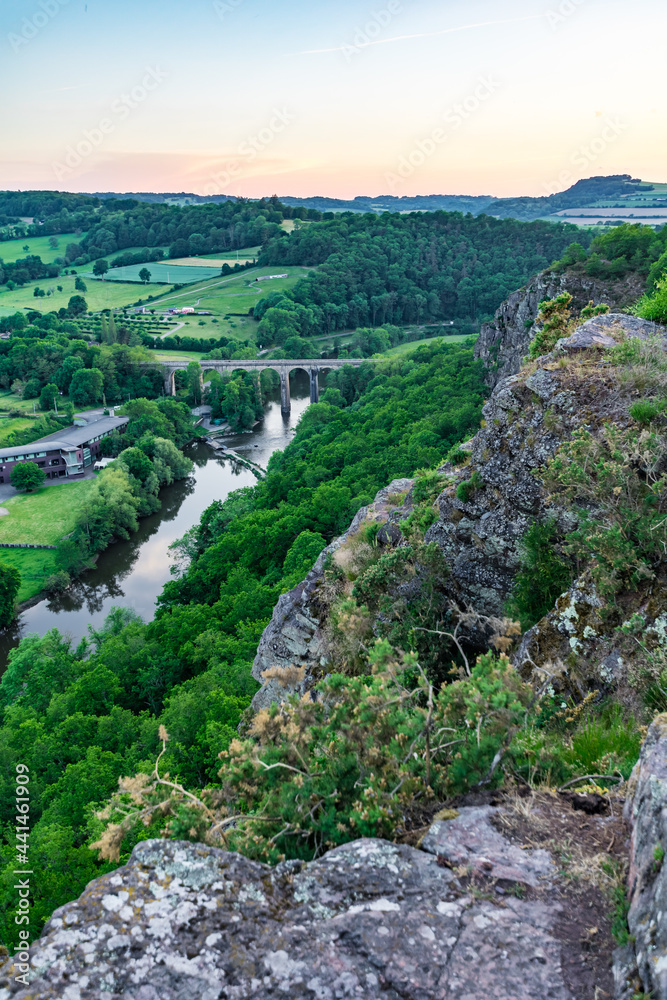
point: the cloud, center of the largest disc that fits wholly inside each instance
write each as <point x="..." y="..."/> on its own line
<point x="424" y="34"/>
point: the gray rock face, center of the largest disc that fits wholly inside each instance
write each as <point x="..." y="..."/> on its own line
<point x="368" y="920"/>
<point x="646" y="813"/>
<point x="294" y="636"/>
<point x="503" y="343"/>
<point x="526" y="420"/>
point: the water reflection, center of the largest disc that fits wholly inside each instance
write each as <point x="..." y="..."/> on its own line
<point x="133" y="573"/>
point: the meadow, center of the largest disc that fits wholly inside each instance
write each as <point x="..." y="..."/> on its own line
<point x="226" y="296"/>
<point x="99" y="295"/>
<point x="13" y="250"/>
<point x="394" y="352"/>
<point x="40" y="518"/>
<point x="165" y="272"/>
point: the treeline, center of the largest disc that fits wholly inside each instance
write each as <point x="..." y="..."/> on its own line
<point x="30" y="268"/>
<point x="81" y="718"/>
<point x="402" y="269"/>
<point x="627" y="249"/>
<point x="48" y="351"/>
<point x="158" y="230"/>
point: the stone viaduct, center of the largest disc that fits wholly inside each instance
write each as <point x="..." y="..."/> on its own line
<point x="283" y="367"/>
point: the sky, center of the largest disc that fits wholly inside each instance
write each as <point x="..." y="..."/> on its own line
<point x="404" y="97"/>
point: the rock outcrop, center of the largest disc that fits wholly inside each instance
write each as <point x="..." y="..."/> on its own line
<point x="294" y="636"/>
<point x="503" y="343"/>
<point x="526" y="420"/>
<point x="472" y="914"/>
<point x="642" y="965"/>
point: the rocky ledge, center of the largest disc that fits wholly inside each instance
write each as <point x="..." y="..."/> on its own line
<point x="476" y="912"/>
<point x="504" y="342"/>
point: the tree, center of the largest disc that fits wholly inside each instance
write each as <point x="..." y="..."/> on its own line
<point x="47" y="396"/>
<point x="77" y="306"/>
<point x="194" y="375"/>
<point x="144" y="275"/>
<point x="53" y="242"/>
<point x="86" y="386"/>
<point x="65" y="373"/>
<point x="27" y="476"/>
<point x="100" y="268"/>
<point x="10" y="582"/>
<point x="80" y="285"/>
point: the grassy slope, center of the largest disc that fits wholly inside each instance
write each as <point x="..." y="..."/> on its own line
<point x="40" y="518"/>
<point x="222" y="296"/>
<point x="413" y="345"/>
<point x="10" y="401"/>
<point x="100" y="295"/>
<point x="10" y="425"/>
<point x="12" y="250"/>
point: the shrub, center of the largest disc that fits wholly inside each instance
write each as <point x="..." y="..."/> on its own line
<point x="553" y="322"/>
<point x="542" y="577"/>
<point x="466" y="490"/>
<point x="616" y="483"/>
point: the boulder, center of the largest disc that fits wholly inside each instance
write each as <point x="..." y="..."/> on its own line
<point x="646" y="814"/>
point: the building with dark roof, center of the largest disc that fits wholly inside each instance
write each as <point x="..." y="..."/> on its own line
<point x="68" y="452"/>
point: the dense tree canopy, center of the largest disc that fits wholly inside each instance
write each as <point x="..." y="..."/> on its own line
<point x="403" y="269"/>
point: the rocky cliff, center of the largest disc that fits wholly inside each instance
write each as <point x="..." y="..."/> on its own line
<point x="475" y="912"/>
<point x="503" y="343"/>
<point x="526" y="420"/>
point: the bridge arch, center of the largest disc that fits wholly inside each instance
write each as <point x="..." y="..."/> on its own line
<point x="312" y="366"/>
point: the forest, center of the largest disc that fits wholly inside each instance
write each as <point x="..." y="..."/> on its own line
<point x="403" y="269"/>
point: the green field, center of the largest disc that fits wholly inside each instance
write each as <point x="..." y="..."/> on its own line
<point x="35" y="567"/>
<point x="12" y="250"/>
<point x="100" y="295"/>
<point x="9" y="425"/>
<point x="40" y="518"/>
<point x="161" y="271"/>
<point x="414" y="344"/>
<point x="223" y="296"/>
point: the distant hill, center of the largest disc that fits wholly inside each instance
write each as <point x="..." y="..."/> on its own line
<point x="595" y="201"/>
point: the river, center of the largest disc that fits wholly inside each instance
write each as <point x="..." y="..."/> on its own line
<point x="133" y="573"/>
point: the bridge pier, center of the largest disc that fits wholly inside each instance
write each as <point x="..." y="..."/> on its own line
<point x="285" y="399"/>
<point x="170" y="383"/>
<point x="314" y="386"/>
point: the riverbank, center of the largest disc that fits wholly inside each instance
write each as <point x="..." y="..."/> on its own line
<point x="133" y="572"/>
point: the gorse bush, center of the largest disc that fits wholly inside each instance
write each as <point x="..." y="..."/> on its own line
<point x="542" y="577"/>
<point x="365" y="757"/>
<point x="616" y="483"/>
<point x="553" y="322"/>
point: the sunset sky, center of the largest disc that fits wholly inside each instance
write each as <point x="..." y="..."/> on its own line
<point x="250" y="97"/>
